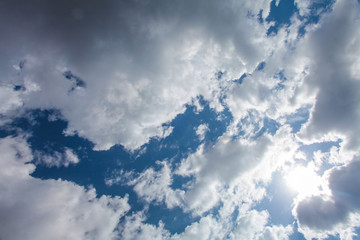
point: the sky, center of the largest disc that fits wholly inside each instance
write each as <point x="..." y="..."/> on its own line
<point x="182" y="119"/>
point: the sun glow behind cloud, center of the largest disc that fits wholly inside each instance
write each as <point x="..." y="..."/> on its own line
<point x="201" y="119"/>
<point x="304" y="181"/>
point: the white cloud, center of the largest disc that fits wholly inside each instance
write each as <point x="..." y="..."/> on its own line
<point x="155" y="186"/>
<point x="134" y="227"/>
<point x="334" y="75"/>
<point x="250" y="225"/>
<point x="56" y="159"/>
<point x="9" y="99"/>
<point x="201" y="131"/>
<point x="141" y="61"/>
<point x="276" y="233"/>
<point x="336" y="213"/>
<point x="206" y="228"/>
<point x="35" y="209"/>
<point x="232" y="163"/>
<point x="221" y="164"/>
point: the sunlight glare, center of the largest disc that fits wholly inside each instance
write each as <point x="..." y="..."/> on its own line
<point x="304" y="181"/>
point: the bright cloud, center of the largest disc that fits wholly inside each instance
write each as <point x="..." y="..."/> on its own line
<point x="171" y="120"/>
<point x="50" y="209"/>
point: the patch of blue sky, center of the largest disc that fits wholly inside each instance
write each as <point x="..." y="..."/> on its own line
<point x="219" y="74"/>
<point x="316" y="9"/>
<point x="260" y="66"/>
<point x="258" y="126"/>
<point x="183" y="140"/>
<point x="240" y="79"/>
<point x="297" y="119"/>
<point x="324" y="147"/>
<point x="336" y="237"/>
<point x="282" y="79"/>
<point x="95" y="166"/>
<point x="319" y="146"/>
<point x="278" y="201"/>
<point x="175" y="220"/>
<point x="77" y="81"/>
<point x="280" y="15"/>
<point x="178" y="145"/>
<point x="270" y="126"/>
<point x="17" y="88"/>
<point x="47" y="137"/>
<point x="280" y="75"/>
<point x="296" y="235"/>
<point x="357" y="229"/>
<point x="259" y="16"/>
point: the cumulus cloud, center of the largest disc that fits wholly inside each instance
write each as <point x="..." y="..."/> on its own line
<point x="141" y="61"/>
<point x="334" y="74"/>
<point x="201" y="131"/>
<point x="276" y="233"/>
<point x="154" y="186"/>
<point x="333" y="214"/>
<point x="50" y="209"/>
<point x="9" y="99"/>
<point x="236" y="163"/>
<point x="206" y="228"/>
<point x="251" y="225"/>
<point x="119" y="70"/>
<point x="134" y="227"/>
<point x="221" y="164"/>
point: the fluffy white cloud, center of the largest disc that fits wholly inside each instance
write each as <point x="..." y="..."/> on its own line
<point x="134" y="227"/>
<point x="35" y="209"/>
<point x="201" y="131"/>
<point x="206" y="228"/>
<point x="9" y="99"/>
<point x="154" y="186"/>
<point x="236" y="163"/>
<point x="336" y="213"/>
<point x="221" y="164"/>
<point x="276" y="233"/>
<point x="141" y="61"/>
<point x="250" y="225"/>
<point x="334" y="75"/>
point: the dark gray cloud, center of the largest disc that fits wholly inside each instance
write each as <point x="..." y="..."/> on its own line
<point x="79" y="29"/>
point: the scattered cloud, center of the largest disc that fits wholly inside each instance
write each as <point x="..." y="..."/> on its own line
<point x="135" y="228"/>
<point x="118" y="72"/>
<point x="201" y="131"/>
<point x="51" y="209"/>
<point x="154" y="186"/>
<point x="56" y="159"/>
<point x="139" y="72"/>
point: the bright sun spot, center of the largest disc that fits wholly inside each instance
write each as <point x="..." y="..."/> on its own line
<point x="304" y="181"/>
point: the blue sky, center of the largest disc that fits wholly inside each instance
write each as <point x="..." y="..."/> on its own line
<point x="180" y="119"/>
